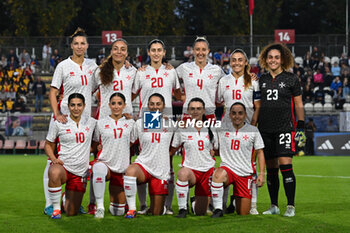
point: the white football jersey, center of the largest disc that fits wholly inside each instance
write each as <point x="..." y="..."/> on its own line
<point x="122" y="82"/>
<point x="74" y="143"/>
<point x="236" y="147"/>
<point x="115" y="138"/>
<point x="232" y="90"/>
<point x="71" y="78"/>
<point x="197" y="146"/>
<point x="152" y="81"/>
<point x="155" y="145"/>
<point x="200" y="83"/>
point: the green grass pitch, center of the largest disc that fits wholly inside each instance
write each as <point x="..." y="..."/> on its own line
<point x="322" y="203"/>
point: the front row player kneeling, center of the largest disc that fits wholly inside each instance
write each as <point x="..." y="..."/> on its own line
<point x="152" y="166"/>
<point x="71" y="166"/>
<point x="237" y="142"/>
<point x="198" y="164"/>
<point x="114" y="134"/>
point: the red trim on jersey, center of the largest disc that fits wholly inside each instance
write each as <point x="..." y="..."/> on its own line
<point x="183" y="155"/>
<point x="252" y="161"/>
<point x="292" y="109"/>
<point x="60" y="93"/>
<point x="236" y="80"/>
<point x="118" y="72"/>
<point x="200" y="71"/>
<point x="58" y="147"/>
<point x="81" y="67"/>
<point x="293" y="141"/>
<point x="140" y="106"/>
<point x="157" y="71"/>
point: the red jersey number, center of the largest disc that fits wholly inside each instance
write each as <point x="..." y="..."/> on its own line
<point x="200" y="83"/>
<point x="118" y="85"/>
<point x="80" y="137"/>
<point x="235" y="144"/>
<point x="83" y="80"/>
<point x="157" y="82"/>
<point x="236" y="94"/>
<point x="155" y="137"/>
<point x="116" y="135"/>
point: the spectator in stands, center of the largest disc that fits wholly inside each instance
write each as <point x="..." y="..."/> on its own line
<point x="3" y="61"/>
<point x="318" y="77"/>
<point x="319" y="95"/>
<point x="225" y="58"/>
<point x="19" y="105"/>
<point x="58" y="57"/>
<point x="11" y="94"/>
<point x="12" y="55"/>
<point x="331" y="127"/>
<point x="3" y="95"/>
<point x="327" y="76"/>
<point x="307" y="63"/>
<point x="315" y="58"/>
<point x="9" y="104"/>
<point x="2" y="107"/>
<point x="335" y="69"/>
<point x="297" y="67"/>
<point x="310" y="128"/>
<point x="100" y="57"/>
<point x="308" y="91"/>
<point x="217" y="57"/>
<point x="24" y="58"/>
<point x="336" y="86"/>
<point x="6" y="86"/>
<point x="344" y="70"/>
<point x="52" y="64"/>
<point x="343" y="59"/>
<point x="46" y="55"/>
<point x="39" y="90"/>
<point x="12" y="63"/>
<point x="188" y="54"/>
<point x="346" y="88"/>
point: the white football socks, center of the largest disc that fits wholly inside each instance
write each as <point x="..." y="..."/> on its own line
<point x="55" y="197"/>
<point x="182" y="193"/>
<point x="217" y="192"/>
<point x="46" y="184"/>
<point x="130" y="188"/>
<point x="99" y="181"/>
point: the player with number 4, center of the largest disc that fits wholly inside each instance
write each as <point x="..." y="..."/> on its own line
<point x="280" y="101"/>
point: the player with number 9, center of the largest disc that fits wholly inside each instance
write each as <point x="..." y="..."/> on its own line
<point x="280" y="101"/>
<point x="71" y="165"/>
<point x="198" y="163"/>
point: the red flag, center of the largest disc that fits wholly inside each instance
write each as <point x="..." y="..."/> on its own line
<point x="251" y="7"/>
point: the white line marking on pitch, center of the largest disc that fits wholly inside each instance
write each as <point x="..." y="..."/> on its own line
<point x="317" y="176"/>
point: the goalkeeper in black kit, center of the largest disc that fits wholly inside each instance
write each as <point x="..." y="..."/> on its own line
<point x="281" y="122"/>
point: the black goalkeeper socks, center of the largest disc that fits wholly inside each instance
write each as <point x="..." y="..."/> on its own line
<point x="273" y="184"/>
<point x="288" y="182"/>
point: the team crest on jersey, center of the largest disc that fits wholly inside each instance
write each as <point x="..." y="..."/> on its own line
<point x="245" y="137"/>
<point x="227" y="87"/>
<point x="210" y="76"/>
<point x="148" y="76"/>
<point x="207" y="136"/>
<point x="263" y="85"/>
<point x="189" y="138"/>
<point x="165" y="130"/>
<point x="71" y="74"/>
<point x="90" y="72"/>
<point x="282" y="85"/>
<point x="126" y="125"/>
<point x="166" y="74"/>
<point x="190" y="75"/>
<point x="87" y="129"/>
<point x="107" y="127"/>
<point x="227" y="134"/>
<point x="128" y="77"/>
<point x="68" y="131"/>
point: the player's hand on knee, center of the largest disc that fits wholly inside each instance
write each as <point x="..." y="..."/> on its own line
<point x="57" y="161"/>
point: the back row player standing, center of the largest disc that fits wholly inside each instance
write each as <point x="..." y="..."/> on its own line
<point x="73" y="75"/>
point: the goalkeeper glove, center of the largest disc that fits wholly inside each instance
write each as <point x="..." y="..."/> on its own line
<point x="300" y="135"/>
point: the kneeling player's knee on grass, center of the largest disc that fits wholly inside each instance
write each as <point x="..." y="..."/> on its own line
<point x="131" y="171"/>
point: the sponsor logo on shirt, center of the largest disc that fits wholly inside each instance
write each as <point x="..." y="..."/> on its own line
<point x="227" y="134"/>
<point x="71" y="74"/>
<point x="68" y="131"/>
<point x="227" y="87"/>
<point x="190" y="75"/>
<point x="107" y="127"/>
<point x="148" y="76"/>
<point x="263" y="85"/>
<point x="190" y="138"/>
